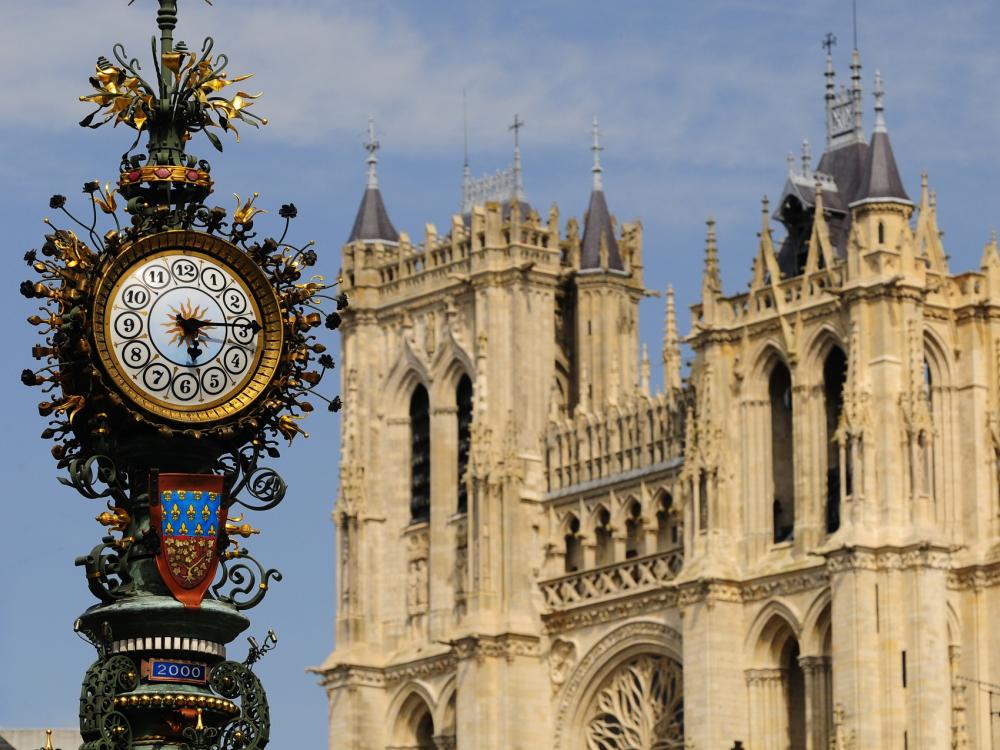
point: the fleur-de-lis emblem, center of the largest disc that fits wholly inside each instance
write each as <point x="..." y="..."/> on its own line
<point x="175" y="513"/>
<point x="191" y="512"/>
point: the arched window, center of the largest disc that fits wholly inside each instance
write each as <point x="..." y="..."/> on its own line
<point x="834" y="375"/>
<point x="667" y="536"/>
<point x="574" y="552"/>
<point x="463" y="398"/>
<point x="420" y="455"/>
<point x="782" y="447"/>
<point x="633" y="531"/>
<point x="881" y="233"/>
<point x="602" y="535"/>
<point x="703" y="501"/>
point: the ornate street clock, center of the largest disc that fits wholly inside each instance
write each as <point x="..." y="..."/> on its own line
<point x="187" y="328"/>
<point x="178" y="350"/>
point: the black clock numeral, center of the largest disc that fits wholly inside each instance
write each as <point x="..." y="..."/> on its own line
<point x="243" y="333"/>
<point x="156" y="377"/>
<point x="135" y="355"/>
<point x="235" y="301"/>
<point x="128" y="325"/>
<point x="135" y="297"/>
<point x="236" y="360"/>
<point x="184" y="270"/>
<point x="184" y="387"/>
<point x="213" y="381"/>
<point x="156" y="277"/>
<point x="213" y="279"/>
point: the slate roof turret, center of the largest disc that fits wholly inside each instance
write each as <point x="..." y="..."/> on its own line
<point x="597" y="224"/>
<point x="372" y="223"/>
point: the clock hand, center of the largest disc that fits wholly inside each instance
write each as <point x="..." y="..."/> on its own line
<point x="253" y="325"/>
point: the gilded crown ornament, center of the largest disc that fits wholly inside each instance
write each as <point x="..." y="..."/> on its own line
<point x="178" y="350"/>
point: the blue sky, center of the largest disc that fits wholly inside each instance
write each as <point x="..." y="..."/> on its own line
<point x="699" y="104"/>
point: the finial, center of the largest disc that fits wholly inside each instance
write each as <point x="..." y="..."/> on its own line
<point x="48" y="740"/>
<point x="765" y="206"/>
<point x="806" y="157"/>
<point x="596" y="148"/>
<point x="856" y="92"/>
<point x="371" y="146"/>
<point x="712" y="280"/>
<point x="518" y="182"/>
<point x="790" y="159"/>
<point x="671" y="346"/>
<point x="879" y="95"/>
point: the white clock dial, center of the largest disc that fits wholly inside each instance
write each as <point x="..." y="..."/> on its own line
<point x="184" y="329"/>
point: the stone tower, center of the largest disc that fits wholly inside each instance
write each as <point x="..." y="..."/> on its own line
<point x="457" y="352"/>
<point x="796" y="548"/>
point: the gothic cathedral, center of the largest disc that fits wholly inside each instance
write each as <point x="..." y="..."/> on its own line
<point x="797" y="547"/>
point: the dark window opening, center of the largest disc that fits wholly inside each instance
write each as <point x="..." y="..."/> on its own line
<point x="420" y="455"/>
<point x="463" y="397"/>
<point x="782" y="453"/>
<point x="881" y="233"/>
<point x="633" y="531"/>
<point x="834" y="376"/>
<point x="574" y="552"/>
<point x="602" y="535"/>
<point x="666" y="530"/>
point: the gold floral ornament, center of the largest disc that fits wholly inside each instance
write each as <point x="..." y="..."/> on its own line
<point x="106" y="202"/>
<point x="123" y="96"/>
<point x="244" y="212"/>
<point x="118" y="97"/>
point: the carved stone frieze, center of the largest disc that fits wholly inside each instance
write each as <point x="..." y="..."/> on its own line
<point x="507" y="646"/>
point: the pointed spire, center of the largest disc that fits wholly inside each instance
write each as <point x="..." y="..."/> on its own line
<point x="711" y="279"/>
<point x="596" y="148"/>
<point x="856" y="93"/>
<point x="372" y="224"/>
<point x="831" y="90"/>
<point x="599" y="248"/>
<point x="466" y="173"/>
<point x="879" y="105"/>
<point x="671" y="346"/>
<point x="881" y="180"/>
<point x="991" y="253"/>
<point x="518" y="181"/>
<point x="372" y="146"/>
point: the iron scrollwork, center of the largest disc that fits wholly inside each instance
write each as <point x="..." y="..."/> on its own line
<point x="101" y="725"/>
<point x="252" y="729"/>
<point x="248" y="577"/>
<point x="263" y="484"/>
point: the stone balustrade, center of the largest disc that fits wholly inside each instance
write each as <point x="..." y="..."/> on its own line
<point x="609" y="581"/>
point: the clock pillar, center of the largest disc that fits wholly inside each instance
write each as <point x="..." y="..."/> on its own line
<point x="177" y="357"/>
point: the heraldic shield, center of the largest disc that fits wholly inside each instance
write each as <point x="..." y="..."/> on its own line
<point x="189" y="513"/>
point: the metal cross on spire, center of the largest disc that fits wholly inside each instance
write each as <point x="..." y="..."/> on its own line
<point x="371" y="146"/>
<point x="597" y="148"/>
<point x="516" y="127"/>
<point x="829" y="42"/>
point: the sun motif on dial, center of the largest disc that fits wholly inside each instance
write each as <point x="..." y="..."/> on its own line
<point x="181" y="327"/>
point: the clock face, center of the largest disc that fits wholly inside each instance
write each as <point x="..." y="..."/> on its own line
<point x="188" y="327"/>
